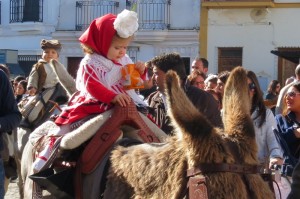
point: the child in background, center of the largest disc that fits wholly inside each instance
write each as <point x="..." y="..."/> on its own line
<point x="99" y="79"/>
<point x="43" y="85"/>
<point x="42" y="75"/>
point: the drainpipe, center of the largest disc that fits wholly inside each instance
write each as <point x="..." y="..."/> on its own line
<point x="203" y="32"/>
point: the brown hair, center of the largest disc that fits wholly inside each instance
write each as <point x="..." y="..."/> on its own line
<point x="257" y="100"/>
<point x="195" y="73"/>
<point x="272" y="87"/>
<point x="170" y="61"/>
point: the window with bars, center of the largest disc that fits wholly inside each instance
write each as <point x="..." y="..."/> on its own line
<point x="153" y="14"/>
<point x="87" y="11"/>
<point x="26" y="10"/>
<point x="229" y="58"/>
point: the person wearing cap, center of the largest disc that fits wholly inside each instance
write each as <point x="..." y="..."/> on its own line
<point x="43" y="82"/>
<point x="42" y="76"/>
<point x="99" y="77"/>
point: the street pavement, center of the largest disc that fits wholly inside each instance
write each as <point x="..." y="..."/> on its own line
<point x="12" y="192"/>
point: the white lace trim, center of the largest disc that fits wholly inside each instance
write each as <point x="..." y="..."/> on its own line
<point x="108" y="74"/>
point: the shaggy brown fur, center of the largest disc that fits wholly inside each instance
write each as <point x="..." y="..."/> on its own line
<point x="151" y="171"/>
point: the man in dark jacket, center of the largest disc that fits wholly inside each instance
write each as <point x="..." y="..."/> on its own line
<point x="202" y="100"/>
<point x="10" y="117"/>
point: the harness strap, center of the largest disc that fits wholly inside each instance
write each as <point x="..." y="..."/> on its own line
<point x="40" y="97"/>
<point x="223" y="167"/>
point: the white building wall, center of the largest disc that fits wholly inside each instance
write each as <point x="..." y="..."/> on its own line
<point x="59" y="20"/>
<point x="257" y="33"/>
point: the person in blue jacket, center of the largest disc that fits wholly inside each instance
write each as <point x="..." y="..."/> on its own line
<point x="10" y="117"/>
<point x="289" y="127"/>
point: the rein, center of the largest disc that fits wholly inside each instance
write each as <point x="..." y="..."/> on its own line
<point x="223" y="167"/>
<point x="197" y="187"/>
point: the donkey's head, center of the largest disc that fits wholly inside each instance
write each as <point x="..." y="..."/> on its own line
<point x="203" y="142"/>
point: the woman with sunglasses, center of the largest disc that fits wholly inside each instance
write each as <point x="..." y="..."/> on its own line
<point x="289" y="127"/>
<point x="269" y="151"/>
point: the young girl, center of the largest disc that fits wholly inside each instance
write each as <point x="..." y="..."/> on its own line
<point x="99" y="78"/>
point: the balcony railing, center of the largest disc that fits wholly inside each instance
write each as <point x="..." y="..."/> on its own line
<point x="153" y="14"/>
<point x="87" y="11"/>
<point x="26" y="10"/>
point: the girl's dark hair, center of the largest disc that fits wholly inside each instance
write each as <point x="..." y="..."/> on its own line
<point x="19" y="78"/>
<point x="223" y="76"/>
<point x="272" y="87"/>
<point x="257" y="100"/>
<point x="24" y="84"/>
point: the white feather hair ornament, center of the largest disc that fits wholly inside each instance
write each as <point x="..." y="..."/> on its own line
<point x="126" y="23"/>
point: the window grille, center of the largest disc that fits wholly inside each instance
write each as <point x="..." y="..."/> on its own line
<point x="26" y="10"/>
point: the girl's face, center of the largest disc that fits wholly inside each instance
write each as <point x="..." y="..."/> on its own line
<point x="210" y="85"/>
<point x="292" y="99"/>
<point x="278" y="87"/>
<point x="20" y="90"/>
<point x="220" y="87"/>
<point x="49" y="54"/>
<point x="117" y="49"/>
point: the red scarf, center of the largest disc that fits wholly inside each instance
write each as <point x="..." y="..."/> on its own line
<point x="99" y="34"/>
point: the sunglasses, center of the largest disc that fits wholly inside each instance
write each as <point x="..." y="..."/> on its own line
<point x="251" y="86"/>
<point x="292" y="94"/>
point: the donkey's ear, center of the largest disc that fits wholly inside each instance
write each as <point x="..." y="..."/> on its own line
<point x="236" y="104"/>
<point x="185" y="117"/>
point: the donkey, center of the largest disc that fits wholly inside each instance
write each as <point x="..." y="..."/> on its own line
<point x="151" y="171"/>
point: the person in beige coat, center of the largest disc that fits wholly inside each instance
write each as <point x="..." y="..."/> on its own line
<point x="43" y="81"/>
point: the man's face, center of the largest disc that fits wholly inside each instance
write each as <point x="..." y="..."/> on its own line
<point x="197" y="65"/>
<point x="159" y="77"/>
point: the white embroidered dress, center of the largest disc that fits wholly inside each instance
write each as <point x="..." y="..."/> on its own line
<point x="98" y="80"/>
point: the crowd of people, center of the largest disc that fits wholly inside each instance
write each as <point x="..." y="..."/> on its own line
<point x="99" y="86"/>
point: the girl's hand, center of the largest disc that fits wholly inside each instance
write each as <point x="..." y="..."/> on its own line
<point x="32" y="91"/>
<point x="122" y="99"/>
<point x="140" y="66"/>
